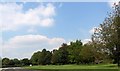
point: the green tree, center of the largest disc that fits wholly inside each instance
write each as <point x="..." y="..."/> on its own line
<point x="11" y="63"/>
<point x="87" y="54"/>
<point x="48" y="57"/>
<point x="25" y="62"/>
<point x="55" y="57"/>
<point x="108" y="34"/>
<point x="41" y="58"/>
<point x="45" y="57"/>
<point x="17" y="62"/>
<point x="74" y="51"/>
<point x="60" y="56"/>
<point x="63" y="54"/>
<point x="35" y="58"/>
<point x="5" y="62"/>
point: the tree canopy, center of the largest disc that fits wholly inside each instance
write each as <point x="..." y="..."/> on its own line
<point x="108" y="34"/>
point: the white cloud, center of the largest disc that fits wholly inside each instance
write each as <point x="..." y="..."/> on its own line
<point x="25" y="45"/>
<point x="92" y="30"/>
<point x="32" y="30"/>
<point x="1" y="45"/>
<point x="84" y="41"/>
<point x="111" y="2"/>
<point x="13" y="16"/>
<point x="95" y="29"/>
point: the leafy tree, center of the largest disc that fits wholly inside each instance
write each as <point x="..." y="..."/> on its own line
<point x="35" y="58"/>
<point x="48" y="57"/>
<point x="108" y="34"/>
<point x="74" y="51"/>
<point x="60" y="56"/>
<point x="87" y="54"/>
<point x="11" y="63"/>
<point x="17" y="62"/>
<point x="45" y="57"/>
<point x="41" y="58"/>
<point x="25" y="62"/>
<point x="5" y="62"/>
<point x="55" y="57"/>
<point x="63" y="54"/>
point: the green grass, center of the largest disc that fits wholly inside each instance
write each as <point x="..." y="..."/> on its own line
<point x="99" y="67"/>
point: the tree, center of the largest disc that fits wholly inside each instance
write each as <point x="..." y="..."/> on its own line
<point x="35" y="58"/>
<point x="0" y="62"/>
<point x="45" y="57"/>
<point x="55" y="57"/>
<point x="48" y="57"/>
<point x="11" y="63"/>
<point x="108" y="34"/>
<point x="5" y="62"/>
<point x="74" y="51"/>
<point x="41" y="58"/>
<point x="87" y="54"/>
<point x="63" y="54"/>
<point x="60" y="56"/>
<point x="17" y="62"/>
<point x="25" y="62"/>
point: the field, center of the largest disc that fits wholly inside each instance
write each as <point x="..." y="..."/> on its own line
<point x="99" y="67"/>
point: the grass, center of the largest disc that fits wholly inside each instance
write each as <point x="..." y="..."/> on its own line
<point x="99" y="67"/>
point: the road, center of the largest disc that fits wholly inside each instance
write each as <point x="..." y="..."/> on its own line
<point x="15" y="69"/>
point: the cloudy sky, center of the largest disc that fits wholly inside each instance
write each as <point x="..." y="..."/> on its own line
<point x="31" y="26"/>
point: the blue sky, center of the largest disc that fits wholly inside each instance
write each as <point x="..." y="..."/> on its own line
<point x="29" y="27"/>
<point x="72" y="20"/>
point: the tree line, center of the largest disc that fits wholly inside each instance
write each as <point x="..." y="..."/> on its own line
<point x="104" y="47"/>
<point x="75" y="53"/>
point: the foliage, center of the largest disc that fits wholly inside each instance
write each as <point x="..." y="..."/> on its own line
<point x="108" y="35"/>
<point x="74" y="52"/>
<point x="43" y="57"/>
<point x="25" y="62"/>
<point x="87" y="54"/>
<point x="34" y="59"/>
<point x="5" y="62"/>
<point x="104" y="47"/>
<point x="60" y="56"/>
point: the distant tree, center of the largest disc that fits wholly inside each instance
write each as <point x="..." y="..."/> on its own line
<point x="25" y="62"/>
<point x="0" y="62"/>
<point x="55" y="57"/>
<point x="48" y="57"/>
<point x="74" y="51"/>
<point x="5" y="62"/>
<point x="35" y="58"/>
<point x="60" y="56"/>
<point x="87" y="54"/>
<point x="11" y="63"/>
<point x="41" y="58"/>
<point x="45" y="57"/>
<point x="17" y="62"/>
<point x="63" y="54"/>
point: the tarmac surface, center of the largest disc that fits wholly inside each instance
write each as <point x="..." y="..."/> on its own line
<point x="16" y="69"/>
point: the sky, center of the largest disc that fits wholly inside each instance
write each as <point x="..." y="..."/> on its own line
<point x="28" y="27"/>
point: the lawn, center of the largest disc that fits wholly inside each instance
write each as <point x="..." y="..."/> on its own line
<point x="99" y="67"/>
